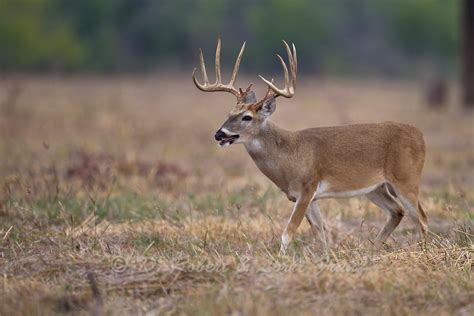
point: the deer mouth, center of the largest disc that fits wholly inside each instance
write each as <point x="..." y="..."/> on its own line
<point x="228" y="140"/>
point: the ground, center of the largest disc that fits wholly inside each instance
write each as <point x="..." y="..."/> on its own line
<point x="115" y="199"/>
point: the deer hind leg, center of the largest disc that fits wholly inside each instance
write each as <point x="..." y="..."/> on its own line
<point x="316" y="221"/>
<point x="408" y="197"/>
<point x="386" y="201"/>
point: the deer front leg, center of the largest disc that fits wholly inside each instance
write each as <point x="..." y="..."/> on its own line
<point x="294" y="222"/>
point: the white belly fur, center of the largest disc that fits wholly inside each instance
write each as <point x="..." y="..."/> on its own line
<point x="323" y="191"/>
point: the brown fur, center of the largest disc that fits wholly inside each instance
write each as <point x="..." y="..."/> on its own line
<point x="348" y="157"/>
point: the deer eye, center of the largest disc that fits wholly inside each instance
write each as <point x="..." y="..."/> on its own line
<point x="246" y="118"/>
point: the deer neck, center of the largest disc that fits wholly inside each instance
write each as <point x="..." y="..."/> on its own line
<point x="267" y="141"/>
<point x="269" y="150"/>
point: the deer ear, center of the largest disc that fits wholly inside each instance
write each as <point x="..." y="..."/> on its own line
<point x="250" y="97"/>
<point x="267" y="108"/>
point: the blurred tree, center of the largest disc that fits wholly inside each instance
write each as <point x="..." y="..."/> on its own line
<point x="35" y="37"/>
<point x="340" y="36"/>
<point x="299" y="21"/>
<point x="95" y="24"/>
<point x="468" y="53"/>
<point x="415" y="22"/>
<point x="437" y="90"/>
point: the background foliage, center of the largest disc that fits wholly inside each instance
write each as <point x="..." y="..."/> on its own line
<point x="343" y="36"/>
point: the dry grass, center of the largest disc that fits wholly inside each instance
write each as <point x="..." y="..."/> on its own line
<point x="116" y="200"/>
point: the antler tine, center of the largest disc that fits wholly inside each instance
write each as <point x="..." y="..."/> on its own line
<point x="203" y="67"/>
<point x="290" y="55"/>
<point x="237" y="65"/>
<point x="218" y="62"/>
<point x="285" y="71"/>
<point x="205" y="85"/>
<point x="249" y="88"/>
<point x="292" y="60"/>
<point x="295" y="58"/>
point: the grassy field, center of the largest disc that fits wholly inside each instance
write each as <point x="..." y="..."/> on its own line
<point x="116" y="200"/>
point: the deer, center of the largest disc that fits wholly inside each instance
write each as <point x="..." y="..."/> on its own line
<point x="382" y="161"/>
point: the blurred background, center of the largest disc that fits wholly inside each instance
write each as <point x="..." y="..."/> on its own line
<point x="88" y="54"/>
<point x="397" y="39"/>
<point x="114" y="76"/>
<point x="390" y="38"/>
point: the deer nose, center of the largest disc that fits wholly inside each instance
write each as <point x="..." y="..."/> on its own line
<point x="219" y="135"/>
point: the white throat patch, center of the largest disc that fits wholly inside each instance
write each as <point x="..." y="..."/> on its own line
<point x="254" y="145"/>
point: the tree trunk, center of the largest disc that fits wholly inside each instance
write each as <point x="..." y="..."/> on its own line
<point x="468" y="53"/>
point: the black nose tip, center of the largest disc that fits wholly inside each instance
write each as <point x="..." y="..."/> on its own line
<point x="219" y="135"/>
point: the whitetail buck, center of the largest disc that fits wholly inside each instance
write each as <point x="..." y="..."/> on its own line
<point x="382" y="161"/>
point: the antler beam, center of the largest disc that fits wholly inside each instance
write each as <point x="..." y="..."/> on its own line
<point x="289" y="90"/>
<point x="218" y="85"/>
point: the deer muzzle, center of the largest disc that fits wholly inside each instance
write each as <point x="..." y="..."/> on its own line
<point x="225" y="138"/>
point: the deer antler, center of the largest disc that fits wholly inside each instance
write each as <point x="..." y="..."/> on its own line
<point x="289" y="90"/>
<point x="218" y="85"/>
